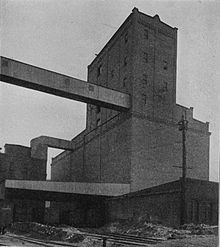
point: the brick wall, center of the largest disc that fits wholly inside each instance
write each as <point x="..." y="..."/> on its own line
<point x="163" y="208"/>
<point x="202" y="201"/>
<point x="80" y="210"/>
<point x="162" y="204"/>
<point x="113" y="69"/>
<point x="139" y="59"/>
<point x="70" y="161"/>
<point x="2" y="166"/>
<point x="157" y="148"/>
<point x="18" y="164"/>
<point x="159" y="204"/>
<point x="103" y="156"/>
<point x="28" y="210"/>
<point x="2" y="190"/>
<point x="154" y="67"/>
<point x="60" y="170"/>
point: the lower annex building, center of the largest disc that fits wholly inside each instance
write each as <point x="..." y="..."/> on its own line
<point x="133" y="155"/>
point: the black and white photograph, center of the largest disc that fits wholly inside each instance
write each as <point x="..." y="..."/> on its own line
<point x="109" y="123"/>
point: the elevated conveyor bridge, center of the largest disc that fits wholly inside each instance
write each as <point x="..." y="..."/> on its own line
<point x="28" y="76"/>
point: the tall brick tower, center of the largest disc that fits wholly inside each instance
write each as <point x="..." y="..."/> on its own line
<point x="140" y="147"/>
<point x="139" y="59"/>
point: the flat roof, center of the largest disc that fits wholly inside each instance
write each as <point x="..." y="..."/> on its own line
<point x="102" y="189"/>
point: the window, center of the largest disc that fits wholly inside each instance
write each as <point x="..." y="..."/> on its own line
<point x="112" y="73"/>
<point x="91" y="88"/>
<point x="98" y="116"/>
<point x="145" y="33"/>
<point x="165" y="86"/>
<point x="126" y="38"/>
<point x="144" y="98"/>
<point x="98" y="109"/>
<point x="125" y="61"/>
<point x="124" y="82"/>
<point x="99" y="70"/>
<point x="98" y="122"/>
<point x="165" y="65"/>
<point x="145" y="81"/>
<point x="146" y="57"/>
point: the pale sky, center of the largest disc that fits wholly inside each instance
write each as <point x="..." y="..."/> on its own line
<point x="64" y="36"/>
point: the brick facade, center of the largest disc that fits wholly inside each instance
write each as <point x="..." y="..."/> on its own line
<point x="102" y="155"/>
<point x="17" y="163"/>
<point x="20" y="165"/>
<point x="162" y="204"/>
<point x="142" y="146"/>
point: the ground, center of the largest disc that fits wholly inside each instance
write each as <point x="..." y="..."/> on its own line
<point x="6" y="240"/>
<point x="195" y="241"/>
<point x="189" y="236"/>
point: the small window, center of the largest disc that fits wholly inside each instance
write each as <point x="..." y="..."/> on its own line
<point x="145" y="79"/>
<point x="165" y="86"/>
<point x="99" y="70"/>
<point x="165" y="65"/>
<point x="91" y="88"/>
<point x="124" y="82"/>
<point x="144" y="98"/>
<point x="145" y="33"/>
<point x="125" y="61"/>
<point x="146" y="57"/>
<point x="98" y="109"/>
<point x="47" y="204"/>
<point x="98" y="122"/>
<point x="112" y="73"/>
<point x="126" y="38"/>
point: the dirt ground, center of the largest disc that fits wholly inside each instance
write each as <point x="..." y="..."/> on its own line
<point x="6" y="240"/>
<point x="188" y="236"/>
<point x="193" y="241"/>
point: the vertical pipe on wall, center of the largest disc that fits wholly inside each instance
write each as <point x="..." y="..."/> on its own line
<point x="154" y="71"/>
<point x="84" y="160"/>
<point x="100" y="160"/>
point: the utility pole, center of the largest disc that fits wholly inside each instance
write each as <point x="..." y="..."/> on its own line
<point x="183" y="126"/>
